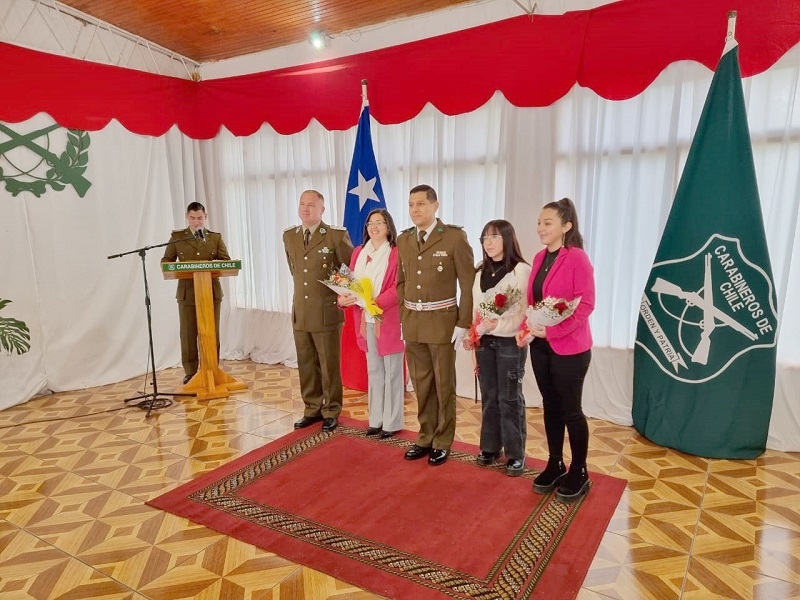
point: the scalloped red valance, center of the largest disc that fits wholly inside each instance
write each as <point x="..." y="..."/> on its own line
<point x="616" y="50"/>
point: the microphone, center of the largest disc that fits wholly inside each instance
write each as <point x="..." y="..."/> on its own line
<point x="200" y="235"/>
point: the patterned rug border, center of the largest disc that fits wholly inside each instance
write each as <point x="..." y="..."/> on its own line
<point x="514" y="574"/>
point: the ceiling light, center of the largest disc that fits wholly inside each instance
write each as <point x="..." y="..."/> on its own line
<point x="317" y="39"/>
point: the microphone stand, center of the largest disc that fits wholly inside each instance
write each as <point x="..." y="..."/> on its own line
<point x="152" y="400"/>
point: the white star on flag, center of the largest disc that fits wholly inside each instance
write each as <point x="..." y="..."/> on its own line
<point x="365" y="190"/>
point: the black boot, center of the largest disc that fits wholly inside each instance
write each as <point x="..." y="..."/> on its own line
<point x="574" y="485"/>
<point x="547" y="480"/>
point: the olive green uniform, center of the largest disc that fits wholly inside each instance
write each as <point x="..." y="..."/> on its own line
<point x="430" y="273"/>
<point x="316" y="320"/>
<point x="186" y="251"/>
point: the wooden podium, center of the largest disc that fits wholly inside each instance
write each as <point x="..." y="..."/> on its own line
<point x="210" y="381"/>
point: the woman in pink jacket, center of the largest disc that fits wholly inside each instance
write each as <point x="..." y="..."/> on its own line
<point x="560" y="354"/>
<point x="376" y="259"/>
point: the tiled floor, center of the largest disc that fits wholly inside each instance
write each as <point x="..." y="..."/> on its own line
<point x="76" y="468"/>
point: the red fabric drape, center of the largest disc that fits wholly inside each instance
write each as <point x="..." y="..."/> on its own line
<point x="616" y="50"/>
<point x="353" y="359"/>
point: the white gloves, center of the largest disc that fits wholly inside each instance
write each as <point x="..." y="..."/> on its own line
<point x="458" y="337"/>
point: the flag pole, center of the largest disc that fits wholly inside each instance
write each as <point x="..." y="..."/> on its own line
<point x="730" y="37"/>
<point x="364" y="99"/>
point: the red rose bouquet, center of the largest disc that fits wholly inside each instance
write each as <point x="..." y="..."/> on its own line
<point x="496" y="304"/>
<point x="548" y="312"/>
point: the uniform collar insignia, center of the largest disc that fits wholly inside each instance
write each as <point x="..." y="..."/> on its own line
<point x="321" y="230"/>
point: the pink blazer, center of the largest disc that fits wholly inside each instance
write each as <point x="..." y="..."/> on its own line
<point x="388" y="330"/>
<point x="570" y="276"/>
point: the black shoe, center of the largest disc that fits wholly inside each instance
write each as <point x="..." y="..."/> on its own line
<point x="416" y="452"/>
<point x="306" y="421"/>
<point x="487" y="458"/>
<point x="330" y="424"/>
<point x="438" y="457"/>
<point x="515" y="467"/>
<point x="385" y="435"/>
<point x="547" y="480"/>
<point x="575" y="485"/>
<point x="373" y="430"/>
<point x="188" y="378"/>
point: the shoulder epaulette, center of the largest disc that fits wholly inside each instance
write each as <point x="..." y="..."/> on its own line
<point x="454" y="226"/>
<point x="290" y="228"/>
<point x="214" y="232"/>
<point x="409" y="230"/>
<point x="178" y="230"/>
<point x="338" y="228"/>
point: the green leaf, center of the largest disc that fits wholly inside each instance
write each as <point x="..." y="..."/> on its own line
<point x="14" y="336"/>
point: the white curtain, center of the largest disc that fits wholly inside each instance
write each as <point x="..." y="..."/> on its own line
<point x="86" y="313"/>
<point x="619" y="161"/>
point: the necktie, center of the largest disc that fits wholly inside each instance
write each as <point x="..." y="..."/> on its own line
<point x="421" y="238"/>
<point x="306" y="237"/>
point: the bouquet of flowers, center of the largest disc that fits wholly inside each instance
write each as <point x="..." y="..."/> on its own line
<point x="497" y="303"/>
<point x="548" y="312"/>
<point x="494" y="305"/>
<point x="343" y="281"/>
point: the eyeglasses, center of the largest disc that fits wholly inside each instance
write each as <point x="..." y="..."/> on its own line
<point x="375" y="223"/>
<point x="493" y="238"/>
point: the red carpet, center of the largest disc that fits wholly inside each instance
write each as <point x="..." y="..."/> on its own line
<point x="350" y="506"/>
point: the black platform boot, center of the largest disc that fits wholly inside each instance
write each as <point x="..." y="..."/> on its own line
<point x="574" y="485"/>
<point x="548" y="479"/>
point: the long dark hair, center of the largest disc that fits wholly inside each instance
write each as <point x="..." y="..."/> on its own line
<point x="391" y="235"/>
<point x="568" y="214"/>
<point x="512" y="255"/>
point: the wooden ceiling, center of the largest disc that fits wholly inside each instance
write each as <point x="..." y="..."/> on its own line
<point x="208" y="30"/>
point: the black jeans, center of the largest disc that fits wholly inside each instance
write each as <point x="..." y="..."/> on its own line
<point x="501" y="366"/>
<point x="560" y="380"/>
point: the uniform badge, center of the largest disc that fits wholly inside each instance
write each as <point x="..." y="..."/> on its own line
<point x="325" y="250"/>
<point x="440" y="254"/>
<point x="440" y="268"/>
<point x="322" y="230"/>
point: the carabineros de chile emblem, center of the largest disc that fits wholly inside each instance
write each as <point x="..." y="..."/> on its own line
<point x="24" y="173"/>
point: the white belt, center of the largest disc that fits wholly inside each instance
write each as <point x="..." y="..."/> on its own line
<point x="426" y="306"/>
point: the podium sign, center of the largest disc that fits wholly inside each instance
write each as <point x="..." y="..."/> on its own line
<point x="186" y="270"/>
<point x="210" y="381"/>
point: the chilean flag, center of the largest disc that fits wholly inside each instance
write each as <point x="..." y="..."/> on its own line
<point x="364" y="194"/>
<point x="364" y="190"/>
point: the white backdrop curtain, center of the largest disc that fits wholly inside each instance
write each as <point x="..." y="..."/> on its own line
<point x="619" y="161"/>
<point x="86" y="313"/>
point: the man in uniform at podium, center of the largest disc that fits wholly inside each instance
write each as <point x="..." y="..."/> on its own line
<point x="195" y="243"/>
<point x="314" y="249"/>
<point x="435" y="259"/>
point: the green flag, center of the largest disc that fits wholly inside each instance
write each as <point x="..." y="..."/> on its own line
<point x="704" y="359"/>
